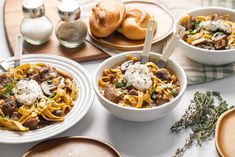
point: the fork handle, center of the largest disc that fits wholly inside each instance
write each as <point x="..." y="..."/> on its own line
<point x="18" y="50"/>
<point x="172" y="43"/>
<point x="148" y="40"/>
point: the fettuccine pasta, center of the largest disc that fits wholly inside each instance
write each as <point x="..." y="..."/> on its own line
<point x="35" y="95"/>
<point x="212" y="32"/>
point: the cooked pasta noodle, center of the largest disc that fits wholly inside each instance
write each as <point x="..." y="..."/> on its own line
<point x="54" y="89"/>
<point x="212" y="32"/>
<point x="115" y="87"/>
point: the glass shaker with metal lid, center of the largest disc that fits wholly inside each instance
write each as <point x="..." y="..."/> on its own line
<point x="71" y="30"/>
<point x="36" y="27"/>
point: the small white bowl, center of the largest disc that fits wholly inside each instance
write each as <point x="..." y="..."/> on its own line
<point x="136" y="114"/>
<point x="204" y="56"/>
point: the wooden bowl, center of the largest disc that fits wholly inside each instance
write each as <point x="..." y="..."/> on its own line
<point x="73" y="146"/>
<point x="225" y="134"/>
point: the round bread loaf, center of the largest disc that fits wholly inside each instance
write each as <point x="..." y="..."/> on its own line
<point x="106" y="17"/>
<point x="135" y="25"/>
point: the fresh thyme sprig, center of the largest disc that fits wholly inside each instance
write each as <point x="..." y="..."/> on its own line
<point x="201" y="116"/>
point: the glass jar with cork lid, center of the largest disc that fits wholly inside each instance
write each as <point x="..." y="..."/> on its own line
<point x="36" y="27"/>
<point x="71" y="30"/>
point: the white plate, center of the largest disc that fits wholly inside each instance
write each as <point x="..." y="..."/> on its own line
<point x="81" y="106"/>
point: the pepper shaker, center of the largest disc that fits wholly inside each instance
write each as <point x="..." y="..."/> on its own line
<point x="36" y="27"/>
<point x="71" y="30"/>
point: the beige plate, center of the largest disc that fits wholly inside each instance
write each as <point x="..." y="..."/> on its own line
<point x="165" y="22"/>
<point x="73" y="146"/>
<point x="225" y="134"/>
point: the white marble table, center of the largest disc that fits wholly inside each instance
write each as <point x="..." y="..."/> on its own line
<point x="151" y="139"/>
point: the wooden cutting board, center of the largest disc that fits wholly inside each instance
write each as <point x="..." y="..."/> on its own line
<point x="12" y="18"/>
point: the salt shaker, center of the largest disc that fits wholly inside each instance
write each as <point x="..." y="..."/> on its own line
<point x="36" y="27"/>
<point x="71" y="30"/>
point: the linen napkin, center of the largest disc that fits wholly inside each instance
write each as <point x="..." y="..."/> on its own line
<point x="196" y="72"/>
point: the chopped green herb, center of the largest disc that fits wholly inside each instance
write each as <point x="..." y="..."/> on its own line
<point x="26" y="78"/>
<point x="119" y="92"/>
<point x="154" y="96"/>
<point x="197" y="24"/>
<point x="8" y="87"/>
<point x="120" y="84"/>
<point x="49" y="81"/>
<point x="8" y="94"/>
<point x="52" y="95"/>
<point x="174" y="92"/>
<point x="168" y="85"/>
<point x="192" y="32"/>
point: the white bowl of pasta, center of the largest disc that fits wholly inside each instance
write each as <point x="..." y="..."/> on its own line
<point x="127" y="98"/>
<point x="210" y="35"/>
<point x="44" y="96"/>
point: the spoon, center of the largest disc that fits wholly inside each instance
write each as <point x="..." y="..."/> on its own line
<point x="170" y="47"/>
<point x="17" y="57"/>
<point x="148" y="41"/>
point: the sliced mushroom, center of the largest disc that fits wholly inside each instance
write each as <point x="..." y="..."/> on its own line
<point x="35" y="77"/>
<point x="47" y="88"/>
<point x="133" y="92"/>
<point x="57" y="113"/>
<point x="50" y="74"/>
<point x="126" y="64"/>
<point x="44" y="70"/>
<point x="198" y="41"/>
<point x="220" y="41"/>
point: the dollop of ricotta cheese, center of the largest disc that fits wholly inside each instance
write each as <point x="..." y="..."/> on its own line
<point x="213" y="25"/>
<point x="27" y="92"/>
<point x="139" y="76"/>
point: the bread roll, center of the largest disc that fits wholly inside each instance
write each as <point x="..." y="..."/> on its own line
<point x="106" y="17"/>
<point x="135" y="24"/>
